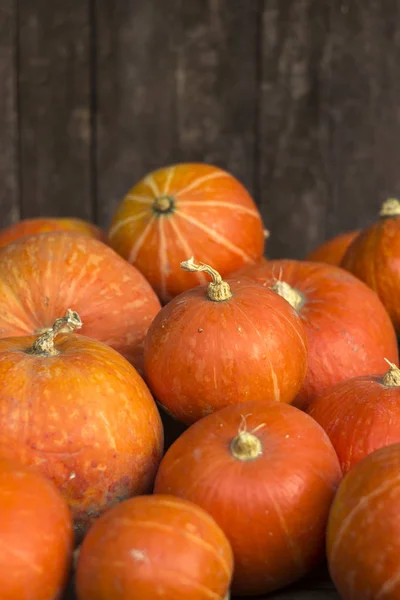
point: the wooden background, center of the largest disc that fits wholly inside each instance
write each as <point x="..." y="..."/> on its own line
<point x="300" y="99"/>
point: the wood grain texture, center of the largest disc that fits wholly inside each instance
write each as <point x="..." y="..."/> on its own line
<point x="9" y="190"/>
<point x="176" y="82"/>
<point x="54" y="87"/>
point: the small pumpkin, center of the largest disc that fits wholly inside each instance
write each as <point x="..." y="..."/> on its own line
<point x="80" y="413"/>
<point x="374" y="257"/>
<point x="363" y="538"/>
<point x="41" y="276"/>
<point x="267" y="473"/>
<point x="332" y="251"/>
<point x="152" y="547"/>
<point x="360" y="415"/>
<point x="183" y="210"/>
<point x="221" y="344"/>
<point x="27" y="227"/>
<point x="348" y="329"/>
<point x="36" y="535"/>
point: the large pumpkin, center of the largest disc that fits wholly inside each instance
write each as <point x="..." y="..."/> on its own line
<point x="360" y="415"/>
<point x="41" y="276"/>
<point x="348" y="329"/>
<point x="183" y="210"/>
<point x="154" y="548"/>
<point x="267" y="473"/>
<point x="42" y="225"/>
<point x="332" y="251"/>
<point x="374" y="257"/>
<point x="363" y="540"/>
<point x="36" y="535"/>
<point x="79" y="412"/>
<point x="221" y="344"/>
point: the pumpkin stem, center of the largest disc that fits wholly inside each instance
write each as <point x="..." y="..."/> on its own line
<point x="163" y="204"/>
<point x="246" y="446"/>
<point x="390" y="208"/>
<point x="44" y="344"/>
<point x="392" y="377"/>
<point x="294" y="297"/>
<point x="218" y="290"/>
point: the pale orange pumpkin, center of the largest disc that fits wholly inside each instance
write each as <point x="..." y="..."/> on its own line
<point x="41" y="276"/>
<point x="80" y="413"/>
<point x="189" y="209"/>
<point x="42" y="225"/>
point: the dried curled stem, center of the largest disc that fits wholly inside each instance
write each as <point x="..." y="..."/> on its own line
<point x="392" y="377"/>
<point x="246" y="446"/>
<point x="44" y="344"/>
<point x="218" y="290"/>
<point x="390" y="208"/>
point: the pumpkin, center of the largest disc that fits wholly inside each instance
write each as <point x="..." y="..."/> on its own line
<point x="36" y="535"/>
<point x="348" y="329"/>
<point x="332" y="251"/>
<point x="363" y="539"/>
<point x="81" y="414"/>
<point x="153" y="547"/>
<point x="374" y="255"/>
<point x="222" y="344"/>
<point x="41" y="276"/>
<point x="41" y="225"/>
<point x="267" y="473"/>
<point x="183" y="210"/>
<point x="360" y="415"/>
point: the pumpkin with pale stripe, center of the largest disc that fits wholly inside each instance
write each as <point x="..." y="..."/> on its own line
<point x="154" y="547"/>
<point x="188" y="209"/>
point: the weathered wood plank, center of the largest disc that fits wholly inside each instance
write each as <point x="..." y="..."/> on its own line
<point x="293" y="186"/>
<point x="9" y="201"/>
<point x="176" y="82"/>
<point x="54" y="84"/>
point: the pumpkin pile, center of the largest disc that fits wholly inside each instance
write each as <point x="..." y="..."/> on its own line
<point x="181" y="418"/>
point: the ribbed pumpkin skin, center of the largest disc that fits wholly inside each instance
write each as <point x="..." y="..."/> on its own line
<point x="359" y="415"/>
<point x="44" y="275"/>
<point x="84" y="418"/>
<point x="32" y="226"/>
<point x="202" y="355"/>
<point x="363" y="539"/>
<point x="348" y="330"/>
<point x="374" y="257"/>
<point x="36" y="535"/>
<point x="213" y="218"/>
<point x="332" y="251"/>
<point x="273" y="508"/>
<point x="154" y="547"/>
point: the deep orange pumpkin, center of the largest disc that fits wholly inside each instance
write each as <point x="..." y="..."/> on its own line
<point x="79" y="412"/>
<point x="363" y="541"/>
<point x="267" y="473"/>
<point x="360" y="415"/>
<point x="374" y="257"/>
<point x="153" y="547"/>
<point x="184" y="210"/>
<point x="41" y="225"/>
<point x="332" y="251"/>
<point x="43" y="275"/>
<point x="348" y="329"/>
<point x="221" y="344"/>
<point x="36" y="535"/>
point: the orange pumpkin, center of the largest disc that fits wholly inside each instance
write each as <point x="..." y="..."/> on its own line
<point x="267" y="473"/>
<point x="153" y="547"/>
<point x="79" y="412"/>
<point x="41" y="225"/>
<point x="41" y="276"/>
<point x="224" y="343"/>
<point x="363" y="540"/>
<point x="374" y="257"/>
<point x="36" y="535"/>
<point x="332" y="251"/>
<point x="348" y="330"/>
<point x="183" y="210"/>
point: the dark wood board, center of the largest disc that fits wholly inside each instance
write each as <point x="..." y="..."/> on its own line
<point x="9" y="190"/>
<point x="55" y="108"/>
